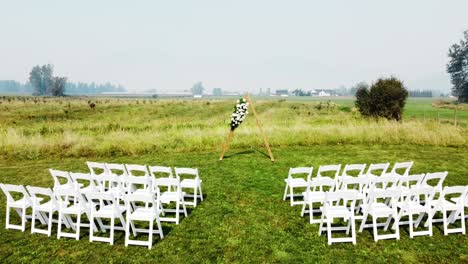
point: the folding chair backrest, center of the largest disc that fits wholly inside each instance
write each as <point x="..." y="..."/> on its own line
<point x="334" y="169"/>
<point x="160" y="172"/>
<point x="459" y="190"/>
<point x="134" y="183"/>
<point x="61" y="178"/>
<point x="383" y="182"/>
<point x="101" y="199"/>
<point x="12" y="191"/>
<point x="96" y="168"/>
<point x="322" y="184"/>
<point x="186" y="171"/>
<point x="86" y="179"/>
<point x="359" y="183"/>
<point x="376" y="195"/>
<point x="39" y="193"/>
<point x="116" y="169"/>
<point x="137" y="170"/>
<point x="111" y="181"/>
<point x="149" y="200"/>
<point x="341" y="197"/>
<point x="410" y="180"/>
<point x="66" y="195"/>
<point x="174" y="182"/>
<point x="374" y="169"/>
<point x="419" y="194"/>
<point x="300" y="171"/>
<point x="402" y="168"/>
<point x="435" y="179"/>
<point x="353" y="170"/>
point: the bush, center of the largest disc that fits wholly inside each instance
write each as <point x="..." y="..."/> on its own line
<point x="385" y="98"/>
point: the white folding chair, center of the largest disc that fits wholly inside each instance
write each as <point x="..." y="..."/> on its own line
<point x="71" y="202"/>
<point x="19" y="200"/>
<point x="44" y="205"/>
<point x="315" y="193"/>
<point x="402" y="168"/>
<point x="117" y="170"/>
<point x="105" y="206"/>
<point x="158" y="172"/>
<point x="350" y="170"/>
<point x="359" y="185"/>
<point x="168" y="197"/>
<point x="190" y="183"/>
<point x="465" y="202"/>
<point x="445" y="203"/>
<point x="296" y="182"/>
<point x="146" y="213"/>
<point x="135" y="171"/>
<point x="62" y="179"/>
<point x="339" y="205"/>
<point x="381" y="204"/>
<point x="377" y="170"/>
<point x="84" y="182"/>
<point x="411" y="205"/>
<point x="436" y="180"/>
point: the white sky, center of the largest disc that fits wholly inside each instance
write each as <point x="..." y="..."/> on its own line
<point x="236" y="45"/>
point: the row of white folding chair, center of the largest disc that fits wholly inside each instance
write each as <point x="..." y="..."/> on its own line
<point x="68" y="202"/>
<point x="362" y="185"/>
<point x="153" y="172"/>
<point x="342" y="204"/>
<point x="292" y="182"/>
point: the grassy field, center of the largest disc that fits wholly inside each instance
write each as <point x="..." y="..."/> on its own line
<point x="243" y="217"/>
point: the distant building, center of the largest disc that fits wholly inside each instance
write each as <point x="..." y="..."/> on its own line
<point x="217" y="92"/>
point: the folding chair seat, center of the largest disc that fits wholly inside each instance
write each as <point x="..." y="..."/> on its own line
<point x="445" y="203"/>
<point x="411" y="205"/>
<point x="315" y="193"/>
<point x="44" y="205"/>
<point x="105" y="206"/>
<point x="149" y="213"/>
<point x="381" y="204"/>
<point x="168" y="197"/>
<point x="19" y="200"/>
<point x="292" y="182"/>
<point x="377" y="170"/>
<point x="339" y="205"/>
<point x="62" y="179"/>
<point x="190" y="183"/>
<point x="71" y="202"/>
<point x="402" y="168"/>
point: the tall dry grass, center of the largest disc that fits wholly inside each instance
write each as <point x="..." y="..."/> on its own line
<point x="69" y="127"/>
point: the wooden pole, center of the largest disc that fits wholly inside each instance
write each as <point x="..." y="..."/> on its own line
<point x="226" y="145"/>
<point x="265" y="141"/>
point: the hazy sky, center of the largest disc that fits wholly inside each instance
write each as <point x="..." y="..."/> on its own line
<point x="236" y="45"/>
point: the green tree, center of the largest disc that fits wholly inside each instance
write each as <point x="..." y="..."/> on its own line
<point x="58" y="86"/>
<point x="385" y="98"/>
<point x="197" y="88"/>
<point x="458" y="68"/>
<point x="41" y="78"/>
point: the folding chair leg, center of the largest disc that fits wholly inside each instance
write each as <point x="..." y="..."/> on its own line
<point x="150" y="242"/>
<point x="363" y="222"/>
<point x="303" y="209"/>
<point x="329" y="236"/>
<point x="78" y="225"/>
<point x="444" y="215"/>
<point x="201" y="194"/>
<point x="321" y="224"/>
<point x="7" y="222"/>
<point x="49" y="231"/>
<point x="353" y="230"/>
<point x="59" y="231"/>
<point x="374" y="226"/>
<point x="177" y="212"/>
<point x="112" y="231"/>
<point x="195" y="196"/>
<point x="285" y="192"/>
<point x="23" y="220"/>
<point x="185" y="208"/>
<point x="291" y="195"/>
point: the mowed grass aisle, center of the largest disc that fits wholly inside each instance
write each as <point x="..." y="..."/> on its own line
<point x="243" y="217"/>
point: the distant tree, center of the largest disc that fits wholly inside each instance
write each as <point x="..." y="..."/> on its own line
<point x="358" y="86"/>
<point x="385" y="98"/>
<point x="458" y="68"/>
<point x="41" y="78"/>
<point x="217" y="92"/>
<point x="197" y="88"/>
<point x="298" y="92"/>
<point x="58" y="86"/>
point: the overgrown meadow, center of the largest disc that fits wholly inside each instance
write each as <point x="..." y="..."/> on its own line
<point x="243" y="217"/>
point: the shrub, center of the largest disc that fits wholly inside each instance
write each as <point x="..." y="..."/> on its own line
<point x="385" y="98"/>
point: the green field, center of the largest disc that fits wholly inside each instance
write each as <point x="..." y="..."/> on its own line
<point x="243" y="217"/>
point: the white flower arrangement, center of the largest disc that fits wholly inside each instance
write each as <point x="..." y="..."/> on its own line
<point x="239" y="114"/>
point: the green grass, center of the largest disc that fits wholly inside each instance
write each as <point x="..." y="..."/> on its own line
<point x="243" y="217"/>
